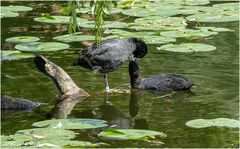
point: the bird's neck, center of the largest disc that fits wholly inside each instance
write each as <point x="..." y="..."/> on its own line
<point x="135" y="75"/>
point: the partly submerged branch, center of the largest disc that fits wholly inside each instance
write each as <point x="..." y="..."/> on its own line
<point x="66" y="87"/>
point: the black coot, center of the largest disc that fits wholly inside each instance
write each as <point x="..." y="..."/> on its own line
<point x="110" y="55"/>
<point x="163" y="82"/>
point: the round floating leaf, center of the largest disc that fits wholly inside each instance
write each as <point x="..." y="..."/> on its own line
<point x="41" y="46"/>
<point x="215" y="29"/>
<point x="187" y="47"/>
<point x="73" y="123"/>
<point x="141" y="12"/>
<point x="157" y="39"/>
<point x="22" y="39"/>
<point x="14" y="55"/>
<point x="16" y="141"/>
<point x="224" y="16"/>
<point x="188" y="33"/>
<point x="9" y="14"/>
<point x="227" y="6"/>
<point x="219" y="122"/>
<point x="74" y="38"/>
<point x="83" y="10"/>
<point x="157" y="23"/>
<point x="108" y="24"/>
<point x="57" y="19"/>
<point x="15" y="8"/>
<point x="129" y="134"/>
<point x="48" y="133"/>
<point x="184" y="2"/>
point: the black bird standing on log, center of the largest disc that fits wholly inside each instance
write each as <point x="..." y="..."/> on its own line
<point x="110" y="55"/>
<point x="163" y="82"/>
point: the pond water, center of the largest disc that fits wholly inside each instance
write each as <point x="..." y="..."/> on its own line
<point x="214" y="95"/>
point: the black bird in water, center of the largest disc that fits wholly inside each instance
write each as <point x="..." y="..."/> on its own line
<point x="163" y="82"/>
<point x="110" y="55"/>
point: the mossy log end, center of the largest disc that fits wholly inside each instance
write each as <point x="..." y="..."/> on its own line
<point x="67" y="89"/>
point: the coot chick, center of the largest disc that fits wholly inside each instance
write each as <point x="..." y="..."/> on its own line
<point x="163" y="82"/>
<point x="110" y="55"/>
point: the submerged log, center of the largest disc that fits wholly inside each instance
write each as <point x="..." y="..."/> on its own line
<point x="68" y="92"/>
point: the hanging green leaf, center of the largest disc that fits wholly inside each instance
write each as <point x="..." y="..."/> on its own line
<point x="187" y="47"/>
<point x="22" y="39"/>
<point x="73" y="123"/>
<point x="41" y="46"/>
<point x="129" y="134"/>
<point x="218" y="122"/>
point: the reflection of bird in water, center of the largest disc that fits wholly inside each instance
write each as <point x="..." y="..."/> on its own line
<point x="116" y="117"/>
<point x="163" y="82"/>
<point x="110" y="55"/>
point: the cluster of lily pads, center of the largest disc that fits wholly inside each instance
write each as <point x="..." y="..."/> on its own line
<point x="157" y="22"/>
<point x="58" y="133"/>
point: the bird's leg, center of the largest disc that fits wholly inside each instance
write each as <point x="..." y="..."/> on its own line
<point x="131" y="58"/>
<point x="106" y="81"/>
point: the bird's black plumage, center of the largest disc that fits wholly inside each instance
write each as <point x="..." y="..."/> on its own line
<point x="163" y="82"/>
<point x="111" y="54"/>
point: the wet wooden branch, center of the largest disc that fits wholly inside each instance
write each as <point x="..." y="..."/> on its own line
<point x="67" y="89"/>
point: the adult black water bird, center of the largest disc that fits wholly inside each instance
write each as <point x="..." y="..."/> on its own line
<point x="110" y="55"/>
<point x="163" y="82"/>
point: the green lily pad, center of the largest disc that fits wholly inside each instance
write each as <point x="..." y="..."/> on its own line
<point x="129" y="134"/>
<point x="141" y="12"/>
<point x="83" y="10"/>
<point x="73" y="123"/>
<point x="108" y="24"/>
<point x="8" y="14"/>
<point x="187" y="47"/>
<point x="74" y="38"/>
<point x="227" y="6"/>
<point x="188" y="33"/>
<point x="16" y="141"/>
<point x="157" y="23"/>
<point x="158" y="39"/>
<point x="48" y="133"/>
<point x="57" y="19"/>
<point x="215" y="29"/>
<point x="184" y="2"/>
<point x="14" y="55"/>
<point x="218" y="122"/>
<point x="41" y="46"/>
<point x="22" y="39"/>
<point x="15" y="8"/>
<point x="224" y="16"/>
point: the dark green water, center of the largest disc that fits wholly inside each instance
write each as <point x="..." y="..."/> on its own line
<point x="215" y="94"/>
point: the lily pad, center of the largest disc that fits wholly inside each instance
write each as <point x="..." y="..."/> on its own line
<point x="22" y="39"/>
<point x="187" y="47"/>
<point x="227" y="6"/>
<point x="57" y="19"/>
<point x="157" y="23"/>
<point x="14" y="55"/>
<point x="184" y="2"/>
<point x="16" y="141"/>
<point x="157" y="39"/>
<point x="15" y="8"/>
<point x="41" y="46"/>
<point x="73" y="123"/>
<point x="130" y="134"/>
<point x="74" y="38"/>
<point x="224" y="16"/>
<point x="218" y="122"/>
<point x="108" y="24"/>
<point x="215" y="29"/>
<point x="8" y="14"/>
<point x="188" y="33"/>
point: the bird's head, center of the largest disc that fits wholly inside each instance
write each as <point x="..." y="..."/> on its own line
<point x="141" y="48"/>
